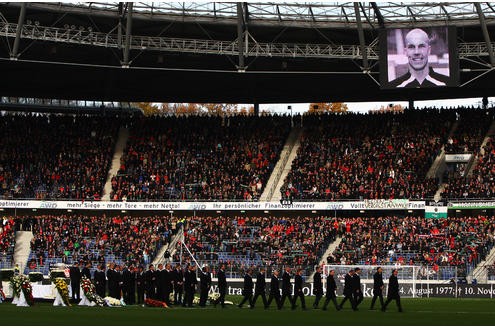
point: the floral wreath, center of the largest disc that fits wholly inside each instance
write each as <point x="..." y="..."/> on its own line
<point x="63" y="290"/>
<point x="20" y="283"/>
<point x="155" y="303"/>
<point x="89" y="291"/>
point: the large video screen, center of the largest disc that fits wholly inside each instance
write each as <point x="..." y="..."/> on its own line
<point x="419" y="58"/>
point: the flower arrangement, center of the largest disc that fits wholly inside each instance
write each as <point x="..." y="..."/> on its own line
<point x="2" y="294"/>
<point x="27" y="290"/>
<point x="154" y="303"/>
<point x="63" y="290"/>
<point x="16" y="283"/>
<point x="113" y="301"/>
<point x="89" y="291"/>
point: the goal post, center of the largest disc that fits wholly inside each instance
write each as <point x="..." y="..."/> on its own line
<point x="407" y="275"/>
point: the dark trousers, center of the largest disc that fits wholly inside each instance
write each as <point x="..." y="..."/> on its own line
<point x="203" y="296"/>
<point x="132" y="295"/>
<point x="263" y="297"/>
<point x="140" y="295"/>
<point x="376" y="294"/>
<point x="247" y="297"/>
<point x="221" y="299"/>
<point x="150" y="293"/>
<point x="271" y="298"/>
<point x="100" y="290"/>
<point x="178" y="291"/>
<point x="166" y="296"/>
<point x="333" y="299"/>
<point x="350" y="298"/>
<point x="301" y="296"/>
<point x="358" y="298"/>
<point x="317" y="300"/>
<point x="397" y="301"/>
<point x="76" y="295"/>
<point x="282" y="300"/>
<point x="188" y="297"/>
<point x="126" y="295"/>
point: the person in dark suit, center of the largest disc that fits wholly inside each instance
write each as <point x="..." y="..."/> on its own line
<point x="274" y="290"/>
<point x="331" y="288"/>
<point x="150" y="282"/>
<point x="317" y="287"/>
<point x="393" y="291"/>
<point x="190" y="282"/>
<point x="247" y="292"/>
<point x="140" y="284"/>
<point x="85" y="272"/>
<point x="168" y="283"/>
<point x="260" y="288"/>
<point x="356" y="287"/>
<point x="222" y="286"/>
<point x="160" y="282"/>
<point x="204" y="286"/>
<point x="112" y="280"/>
<point x="132" y="285"/>
<point x="377" y="287"/>
<point x="100" y="281"/>
<point x="126" y="284"/>
<point x="348" y="292"/>
<point x="178" y="284"/>
<point x="118" y="282"/>
<point x="298" y="290"/>
<point x="286" y="288"/>
<point x="75" y="281"/>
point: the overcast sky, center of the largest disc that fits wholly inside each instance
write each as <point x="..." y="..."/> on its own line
<point x="366" y="106"/>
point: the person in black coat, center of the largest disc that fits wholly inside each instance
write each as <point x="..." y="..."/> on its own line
<point x="150" y="282"/>
<point x="248" y="289"/>
<point x="190" y="282"/>
<point x="178" y="275"/>
<point x="393" y="291"/>
<point x="168" y="283"/>
<point x="222" y="286"/>
<point x="126" y="285"/>
<point x="348" y="291"/>
<point x="112" y="280"/>
<point x="331" y="288"/>
<point x="356" y="287"/>
<point x="140" y="284"/>
<point x="75" y="281"/>
<point x="100" y="281"/>
<point x="298" y="290"/>
<point x="377" y="287"/>
<point x="160" y="282"/>
<point x="260" y="288"/>
<point x="317" y="287"/>
<point x="204" y="286"/>
<point x="118" y="282"/>
<point x="274" y="290"/>
<point x="132" y="285"/>
<point x="85" y="272"/>
<point x="286" y="288"/>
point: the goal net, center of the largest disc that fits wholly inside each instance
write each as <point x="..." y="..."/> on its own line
<point x="407" y="276"/>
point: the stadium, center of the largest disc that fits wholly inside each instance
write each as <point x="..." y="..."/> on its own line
<point x="135" y="188"/>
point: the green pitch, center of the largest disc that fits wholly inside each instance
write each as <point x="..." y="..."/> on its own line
<point x="416" y="312"/>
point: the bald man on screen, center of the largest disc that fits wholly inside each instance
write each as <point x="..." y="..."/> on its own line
<point x="420" y="75"/>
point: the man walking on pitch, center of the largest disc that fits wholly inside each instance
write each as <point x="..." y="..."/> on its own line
<point x="222" y="286"/>
<point x="348" y="292"/>
<point x="317" y="287"/>
<point x="331" y="288"/>
<point x="377" y="287"/>
<point x="393" y="291"/>
<point x="274" y="291"/>
<point x="248" y="289"/>
<point x="204" y="286"/>
<point x="286" y="288"/>
<point x="357" y="290"/>
<point x="298" y="292"/>
<point x="260" y="288"/>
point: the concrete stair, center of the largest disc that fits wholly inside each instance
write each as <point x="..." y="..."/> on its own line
<point x="278" y="171"/>
<point x="117" y="155"/>
<point x="22" y="248"/>
<point x="327" y="253"/>
<point x="480" y="273"/>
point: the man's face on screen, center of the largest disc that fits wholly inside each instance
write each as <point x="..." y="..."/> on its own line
<point x="417" y="49"/>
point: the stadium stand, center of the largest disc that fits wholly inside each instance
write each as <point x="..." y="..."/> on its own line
<point x="55" y="157"/>
<point x="217" y="159"/>
<point x="462" y="242"/>
<point x="7" y="242"/>
<point x="98" y="238"/>
<point x="356" y="156"/>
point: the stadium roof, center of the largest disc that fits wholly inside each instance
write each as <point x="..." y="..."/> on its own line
<point x="227" y="52"/>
